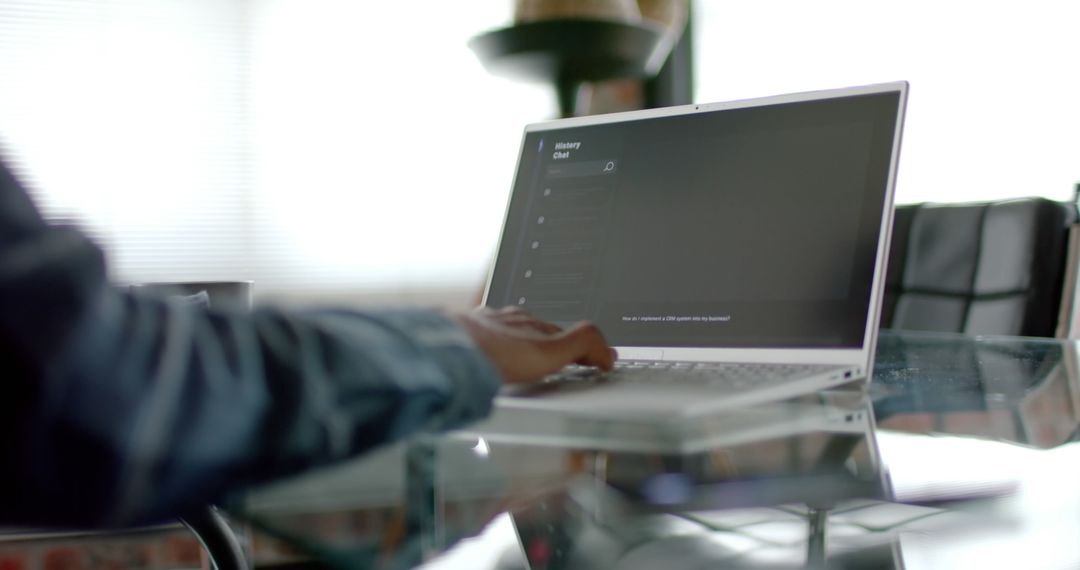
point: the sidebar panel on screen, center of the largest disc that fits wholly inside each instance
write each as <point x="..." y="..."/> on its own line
<point x="564" y="226"/>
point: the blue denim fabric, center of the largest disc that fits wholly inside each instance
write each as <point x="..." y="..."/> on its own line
<point x="117" y="408"/>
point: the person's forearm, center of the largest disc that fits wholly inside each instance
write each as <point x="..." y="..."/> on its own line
<point x="116" y="408"/>
<point x="158" y="407"/>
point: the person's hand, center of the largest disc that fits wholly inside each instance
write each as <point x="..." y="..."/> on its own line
<point x="525" y="349"/>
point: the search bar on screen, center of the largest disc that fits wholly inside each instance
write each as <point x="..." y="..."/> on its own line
<point x="582" y="168"/>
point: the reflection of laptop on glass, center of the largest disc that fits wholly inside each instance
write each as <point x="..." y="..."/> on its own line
<point x="732" y="252"/>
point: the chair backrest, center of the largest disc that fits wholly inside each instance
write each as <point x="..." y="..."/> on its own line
<point x="984" y="268"/>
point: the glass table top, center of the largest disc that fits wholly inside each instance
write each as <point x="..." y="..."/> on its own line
<point x="958" y="453"/>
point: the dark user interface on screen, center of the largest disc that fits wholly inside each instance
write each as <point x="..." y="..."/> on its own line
<point x="752" y="227"/>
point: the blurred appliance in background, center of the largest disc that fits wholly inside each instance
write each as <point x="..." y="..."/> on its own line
<point x="600" y="55"/>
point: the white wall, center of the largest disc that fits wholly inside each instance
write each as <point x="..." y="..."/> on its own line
<point x="385" y="151"/>
<point x="994" y="109"/>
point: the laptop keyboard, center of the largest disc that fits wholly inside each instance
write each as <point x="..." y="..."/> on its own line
<point x="701" y="373"/>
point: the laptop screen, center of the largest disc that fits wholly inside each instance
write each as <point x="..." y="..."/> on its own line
<point x="741" y="227"/>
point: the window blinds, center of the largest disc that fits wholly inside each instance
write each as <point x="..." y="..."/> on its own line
<point x="313" y="146"/>
<point x="130" y="117"/>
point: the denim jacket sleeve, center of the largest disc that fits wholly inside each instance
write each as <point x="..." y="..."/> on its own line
<point x="117" y="408"/>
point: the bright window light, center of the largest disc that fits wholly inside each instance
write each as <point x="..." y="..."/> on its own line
<point x="314" y="146"/>
<point x="336" y="147"/>
<point x="993" y="107"/>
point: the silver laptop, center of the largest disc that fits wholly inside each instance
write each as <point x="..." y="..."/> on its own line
<point x="734" y="253"/>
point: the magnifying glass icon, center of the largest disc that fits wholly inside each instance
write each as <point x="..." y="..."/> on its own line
<point x="610" y="166"/>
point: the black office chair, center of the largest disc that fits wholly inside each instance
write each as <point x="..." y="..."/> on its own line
<point x="980" y="268"/>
